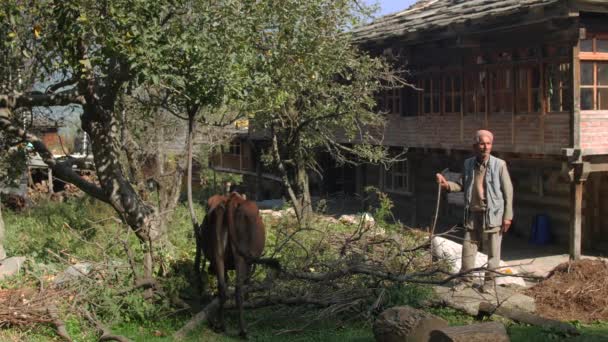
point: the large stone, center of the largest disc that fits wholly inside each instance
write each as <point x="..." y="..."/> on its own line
<point x="73" y="272"/>
<point x="451" y="252"/>
<point x="406" y="324"/>
<point x="11" y="266"/>
<point x="468" y="299"/>
<point x="483" y="332"/>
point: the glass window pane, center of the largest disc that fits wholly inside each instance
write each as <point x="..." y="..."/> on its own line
<point x="602" y="99"/>
<point x="457" y="83"/>
<point x="535" y="77"/>
<point x="587" y="45"/>
<point x="602" y="73"/>
<point x="427" y="104"/>
<point x="457" y="104"/>
<point x="601" y="45"/>
<point x="587" y="73"/>
<point x="436" y="102"/>
<point x="536" y="101"/>
<point x="587" y="98"/>
<point x="448" y="103"/>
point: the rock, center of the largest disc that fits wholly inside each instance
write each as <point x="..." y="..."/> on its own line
<point x="468" y="299"/>
<point x="73" y="272"/>
<point x="406" y="324"/>
<point x="366" y="218"/>
<point x="11" y="266"/>
<point x="490" y="331"/>
<point x="452" y="252"/>
<point x="271" y="204"/>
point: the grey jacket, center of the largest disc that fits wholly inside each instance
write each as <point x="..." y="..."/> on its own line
<point x="498" y="187"/>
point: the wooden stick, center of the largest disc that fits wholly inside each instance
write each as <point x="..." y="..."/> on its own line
<point x="521" y="316"/>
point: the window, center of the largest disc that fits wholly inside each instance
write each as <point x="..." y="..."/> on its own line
<point x="396" y="177"/>
<point x="594" y="73"/>
<point x="235" y="148"/>
<point x="452" y="97"/>
<point x="528" y="96"/>
<point x="410" y="105"/>
<point x="594" y="85"/>
<point x="501" y="96"/>
<point x="389" y="101"/>
<point x="431" y="95"/>
<point x="475" y="92"/>
<point x="557" y="83"/>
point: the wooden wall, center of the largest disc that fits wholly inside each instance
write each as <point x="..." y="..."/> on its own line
<point x="539" y="134"/>
<point x="540" y="188"/>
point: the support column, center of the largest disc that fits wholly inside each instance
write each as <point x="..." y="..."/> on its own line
<point x="576" y="193"/>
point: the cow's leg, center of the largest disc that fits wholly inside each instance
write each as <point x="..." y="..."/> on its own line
<point x="242" y="272"/>
<point x="197" y="266"/>
<point x="221" y="286"/>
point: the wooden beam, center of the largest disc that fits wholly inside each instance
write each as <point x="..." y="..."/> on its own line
<point x="576" y="193"/>
<point x="575" y="122"/>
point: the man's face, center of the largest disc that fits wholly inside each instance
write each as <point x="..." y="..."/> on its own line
<point x="483" y="147"/>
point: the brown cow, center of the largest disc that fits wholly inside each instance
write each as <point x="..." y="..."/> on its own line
<point x="232" y="237"/>
<point x="205" y="234"/>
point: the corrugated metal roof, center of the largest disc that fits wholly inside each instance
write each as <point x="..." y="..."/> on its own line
<point x="428" y="15"/>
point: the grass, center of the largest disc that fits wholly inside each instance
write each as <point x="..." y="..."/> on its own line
<point x="55" y="233"/>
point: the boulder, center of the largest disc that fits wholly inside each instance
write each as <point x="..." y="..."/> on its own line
<point x="482" y="332"/>
<point x="406" y="324"/>
<point x="452" y="252"/>
<point x="73" y="272"/>
<point x="11" y="266"/>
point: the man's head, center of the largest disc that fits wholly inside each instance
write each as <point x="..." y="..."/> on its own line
<point x="483" y="144"/>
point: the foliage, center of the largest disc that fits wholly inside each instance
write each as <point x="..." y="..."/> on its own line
<point x="314" y="90"/>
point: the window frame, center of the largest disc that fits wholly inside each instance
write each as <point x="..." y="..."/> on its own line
<point x="387" y="172"/>
<point x="595" y="58"/>
<point x="436" y="85"/>
<point x="452" y="92"/>
<point x="235" y="148"/>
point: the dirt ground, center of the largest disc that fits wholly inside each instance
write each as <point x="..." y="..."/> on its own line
<point x="574" y="291"/>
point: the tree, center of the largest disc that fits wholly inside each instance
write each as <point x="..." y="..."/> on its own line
<point x="316" y="90"/>
<point x="185" y="54"/>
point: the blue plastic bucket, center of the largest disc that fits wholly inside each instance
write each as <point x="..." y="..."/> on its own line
<point x="541" y="230"/>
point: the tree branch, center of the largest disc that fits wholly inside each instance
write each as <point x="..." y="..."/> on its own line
<point x="37" y="99"/>
<point x="62" y="170"/>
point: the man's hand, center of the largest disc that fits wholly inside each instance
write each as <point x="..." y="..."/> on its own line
<point x="506" y="224"/>
<point x="442" y="181"/>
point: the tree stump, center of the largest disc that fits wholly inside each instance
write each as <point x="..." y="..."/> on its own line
<point x="491" y="331"/>
<point x="406" y="324"/>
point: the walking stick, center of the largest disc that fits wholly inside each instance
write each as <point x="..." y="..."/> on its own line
<point x="434" y="224"/>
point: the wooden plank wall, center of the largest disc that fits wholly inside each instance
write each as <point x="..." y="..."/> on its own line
<point x="540" y="188"/>
<point x="546" y="134"/>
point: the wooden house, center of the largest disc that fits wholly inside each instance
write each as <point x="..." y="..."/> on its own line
<point x="534" y="72"/>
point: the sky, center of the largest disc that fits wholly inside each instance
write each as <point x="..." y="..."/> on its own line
<point x="391" y="6"/>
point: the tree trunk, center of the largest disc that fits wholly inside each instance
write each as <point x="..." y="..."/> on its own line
<point x="297" y="204"/>
<point x="303" y="193"/>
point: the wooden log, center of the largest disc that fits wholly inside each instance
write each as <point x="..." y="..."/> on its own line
<point x="482" y="332"/>
<point x="405" y="323"/>
<point x="521" y="316"/>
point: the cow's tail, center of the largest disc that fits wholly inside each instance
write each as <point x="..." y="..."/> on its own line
<point x="270" y="262"/>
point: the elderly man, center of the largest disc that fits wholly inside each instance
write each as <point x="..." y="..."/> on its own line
<point x="488" y="209"/>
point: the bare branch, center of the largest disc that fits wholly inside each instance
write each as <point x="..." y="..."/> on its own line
<point x="63" y="170"/>
<point x="37" y="99"/>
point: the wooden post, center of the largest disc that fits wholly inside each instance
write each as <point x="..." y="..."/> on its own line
<point x="576" y="192"/>
<point x="258" y="179"/>
<point x="597" y="216"/>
